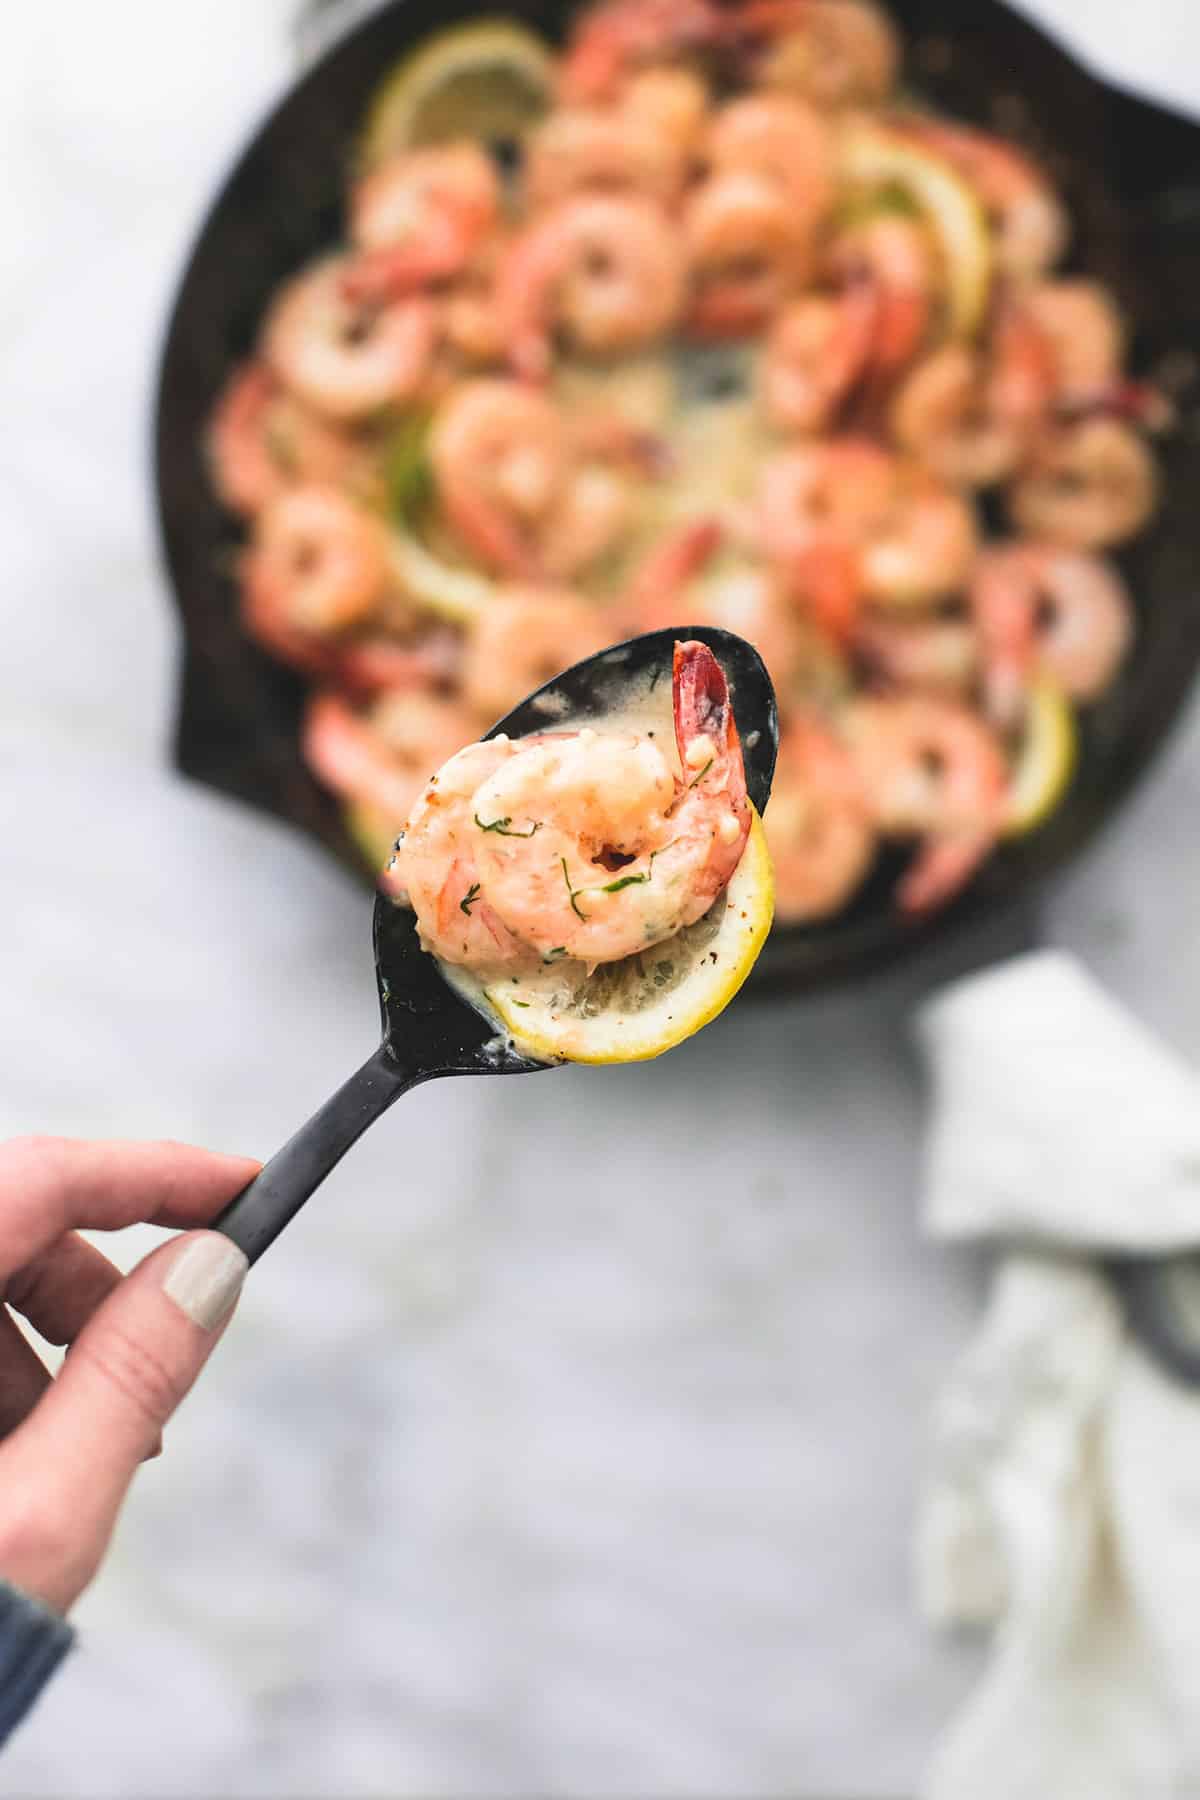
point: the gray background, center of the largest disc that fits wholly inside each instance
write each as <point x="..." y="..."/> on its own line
<point x="570" y="1443"/>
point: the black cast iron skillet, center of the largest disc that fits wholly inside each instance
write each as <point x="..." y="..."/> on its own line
<point x="1130" y="174"/>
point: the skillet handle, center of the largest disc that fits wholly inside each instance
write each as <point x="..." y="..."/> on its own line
<point x="258" y="1215"/>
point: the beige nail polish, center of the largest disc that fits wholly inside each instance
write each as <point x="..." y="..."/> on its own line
<point x="205" y="1279"/>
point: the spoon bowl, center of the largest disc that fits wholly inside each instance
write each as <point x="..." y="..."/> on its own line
<point x="429" y="1030"/>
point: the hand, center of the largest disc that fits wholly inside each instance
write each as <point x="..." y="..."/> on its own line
<point x="138" y="1341"/>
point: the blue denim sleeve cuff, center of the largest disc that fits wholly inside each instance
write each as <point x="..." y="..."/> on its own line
<point x="33" y="1641"/>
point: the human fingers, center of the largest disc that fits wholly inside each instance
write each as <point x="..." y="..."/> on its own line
<point x="60" y="1289"/>
<point x="49" y="1185"/>
<point x="24" y="1377"/>
<point x="65" y="1471"/>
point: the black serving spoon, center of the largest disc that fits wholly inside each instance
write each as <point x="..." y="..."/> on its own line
<point x="428" y="1029"/>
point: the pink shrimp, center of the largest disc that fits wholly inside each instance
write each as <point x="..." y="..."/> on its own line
<point x="931" y="770"/>
<point x="972" y="416"/>
<point x="522" y="638"/>
<point x="261" y="440"/>
<point x="434" y="864"/>
<point x="1087" y="486"/>
<point x="383" y="755"/>
<point x="1028" y="218"/>
<point x="819" y="828"/>
<point x="607" y="150"/>
<point x="893" y="255"/>
<point x="514" y="487"/>
<point x="832" y="52"/>
<point x="612" y="40"/>
<point x="317" y="565"/>
<point x="818" y="349"/>
<point x="606" y="271"/>
<point x="784" y="139"/>
<point x="936" y="655"/>
<point x="820" y="504"/>
<point x="342" y="358"/>
<point x="1038" y="606"/>
<point x="748" y="248"/>
<point x="419" y="217"/>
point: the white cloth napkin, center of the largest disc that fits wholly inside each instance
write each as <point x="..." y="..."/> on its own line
<point x="1062" y="1502"/>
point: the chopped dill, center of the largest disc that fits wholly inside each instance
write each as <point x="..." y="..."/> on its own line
<point x="469" y="899"/>
<point x="500" y="827"/>
<point x="572" y="891"/>
<point x="704" y="771"/>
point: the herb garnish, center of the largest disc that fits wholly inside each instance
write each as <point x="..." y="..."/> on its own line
<point x="500" y="827"/>
<point x="614" y="887"/>
<point x="572" y="891"/>
<point x="553" y="955"/>
<point x="469" y="899"/>
<point x="704" y="771"/>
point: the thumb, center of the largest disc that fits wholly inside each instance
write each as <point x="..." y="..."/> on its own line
<point x="65" y="1471"/>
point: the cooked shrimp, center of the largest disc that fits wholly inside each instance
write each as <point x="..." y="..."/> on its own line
<point x="345" y="359"/>
<point x="1084" y="335"/>
<point x="1037" y="606"/>
<point x="1087" y="486"/>
<point x="820" y="504"/>
<point x="317" y="565"/>
<point x="749" y="251"/>
<point x="938" y="655"/>
<point x="262" y="440"/>
<point x="784" y="139"/>
<point x="602" y="150"/>
<point x="512" y="486"/>
<point x="930" y="770"/>
<point x="818" y="825"/>
<point x="895" y="256"/>
<point x="588" y="843"/>
<point x="1028" y="219"/>
<point x="611" y="41"/>
<point x="667" y="588"/>
<point x="605" y="270"/>
<point x="382" y="755"/>
<point x="832" y="52"/>
<point x="924" y="551"/>
<point x="673" y="101"/>
<point x="523" y="637"/>
<point x="817" y="350"/>
<point x="419" y="217"/>
<point x="434" y="865"/>
<point x="969" y="415"/>
<point x="657" y="594"/>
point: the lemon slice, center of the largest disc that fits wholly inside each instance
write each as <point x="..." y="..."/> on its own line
<point x="443" y="588"/>
<point x="1045" y="761"/>
<point x="877" y="158"/>
<point x="491" y="79"/>
<point x="635" y="1009"/>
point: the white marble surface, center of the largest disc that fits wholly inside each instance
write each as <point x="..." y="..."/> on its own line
<point x="569" y="1444"/>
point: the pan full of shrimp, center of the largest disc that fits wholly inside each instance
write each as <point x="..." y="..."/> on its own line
<point x="740" y="321"/>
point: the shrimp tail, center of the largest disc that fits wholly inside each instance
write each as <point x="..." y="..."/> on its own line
<point x="941" y="868"/>
<point x="702" y="704"/>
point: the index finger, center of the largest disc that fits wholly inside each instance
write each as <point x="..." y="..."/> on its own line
<point x="52" y="1185"/>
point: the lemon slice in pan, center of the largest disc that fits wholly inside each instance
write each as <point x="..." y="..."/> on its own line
<point x="1045" y="760"/>
<point x="874" y="157"/>
<point x="632" y="1010"/>
<point x="491" y="79"/>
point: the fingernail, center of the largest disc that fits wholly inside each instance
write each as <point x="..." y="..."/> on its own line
<point x="205" y="1279"/>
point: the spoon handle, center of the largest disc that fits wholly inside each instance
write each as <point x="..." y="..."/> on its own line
<point x="260" y="1212"/>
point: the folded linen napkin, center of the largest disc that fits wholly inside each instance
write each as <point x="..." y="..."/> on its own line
<point x="1062" y="1501"/>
